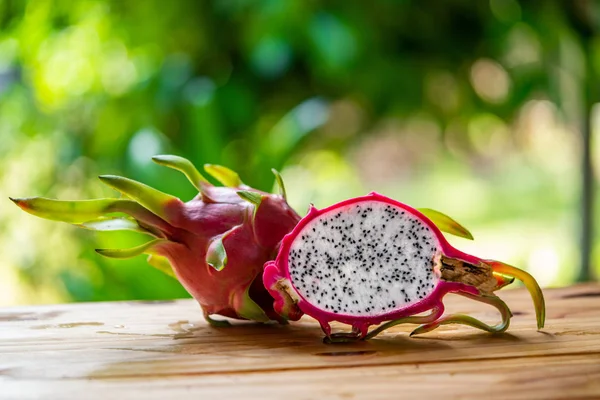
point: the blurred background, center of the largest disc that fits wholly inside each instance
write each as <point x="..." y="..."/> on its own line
<point x="483" y="110"/>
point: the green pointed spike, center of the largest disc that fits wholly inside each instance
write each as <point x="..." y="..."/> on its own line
<point x="470" y="321"/>
<point x="226" y="176"/>
<point x="279" y="180"/>
<point x="162" y="264"/>
<point x="502" y="279"/>
<point x="458" y="319"/>
<point x="79" y="212"/>
<point x="247" y="308"/>
<point x="215" y="322"/>
<point x="216" y="256"/>
<point x="252" y="197"/>
<point x="434" y="315"/>
<point x="147" y="248"/>
<point x="530" y="283"/>
<point x="74" y="212"/>
<point x="446" y="224"/>
<point x="154" y="200"/>
<point x="115" y="224"/>
<point x="183" y="165"/>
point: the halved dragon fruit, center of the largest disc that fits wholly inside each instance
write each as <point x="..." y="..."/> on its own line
<point x="215" y="244"/>
<point x="372" y="259"/>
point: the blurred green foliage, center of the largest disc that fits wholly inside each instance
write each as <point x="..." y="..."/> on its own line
<point x="473" y="108"/>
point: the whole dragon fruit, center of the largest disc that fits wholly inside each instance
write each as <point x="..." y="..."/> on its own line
<point x="372" y="259"/>
<point x="216" y="244"/>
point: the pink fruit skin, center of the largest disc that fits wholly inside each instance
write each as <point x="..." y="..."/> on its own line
<point x="254" y="238"/>
<point x="276" y="271"/>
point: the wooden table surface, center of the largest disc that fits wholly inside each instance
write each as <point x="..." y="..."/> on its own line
<point x="164" y="350"/>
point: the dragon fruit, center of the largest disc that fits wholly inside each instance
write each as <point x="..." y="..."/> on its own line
<point x="372" y="260"/>
<point x="216" y="244"/>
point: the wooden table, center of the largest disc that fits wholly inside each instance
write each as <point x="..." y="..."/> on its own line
<point x="164" y="350"/>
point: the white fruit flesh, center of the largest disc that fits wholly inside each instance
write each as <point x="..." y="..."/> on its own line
<point x="364" y="259"/>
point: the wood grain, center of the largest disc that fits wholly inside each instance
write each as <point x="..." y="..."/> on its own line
<point x="162" y="349"/>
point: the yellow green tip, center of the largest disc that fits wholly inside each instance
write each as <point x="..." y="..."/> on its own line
<point x="531" y="285"/>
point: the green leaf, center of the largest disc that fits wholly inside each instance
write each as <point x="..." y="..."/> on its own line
<point x="146" y="248"/>
<point x="216" y="256"/>
<point x="226" y="176"/>
<point x="446" y="224"/>
<point x="279" y="181"/>
<point x="183" y="165"/>
<point x="252" y="197"/>
<point x="162" y="264"/>
<point x="154" y="200"/>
